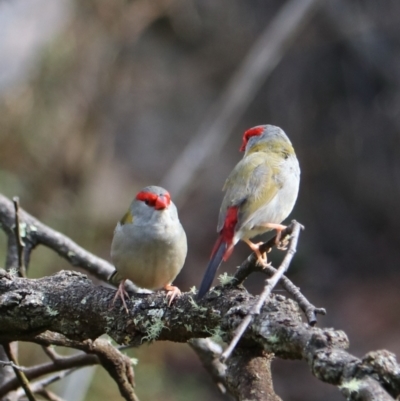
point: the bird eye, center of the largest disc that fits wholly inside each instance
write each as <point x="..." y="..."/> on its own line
<point x="148" y="198"/>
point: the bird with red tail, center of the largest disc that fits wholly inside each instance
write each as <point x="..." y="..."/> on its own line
<point x="260" y="193"/>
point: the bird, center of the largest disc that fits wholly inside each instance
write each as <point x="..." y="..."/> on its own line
<point x="260" y="193"/>
<point x="149" y="245"/>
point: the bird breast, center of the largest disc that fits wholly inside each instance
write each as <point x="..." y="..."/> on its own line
<point x="150" y="255"/>
<point x="287" y="178"/>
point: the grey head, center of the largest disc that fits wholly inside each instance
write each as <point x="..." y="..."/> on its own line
<point x="263" y="133"/>
<point x="149" y="205"/>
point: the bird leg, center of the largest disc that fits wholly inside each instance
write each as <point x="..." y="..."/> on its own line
<point x="172" y="293"/>
<point x="279" y="228"/>
<point x="262" y="258"/>
<point x="122" y="293"/>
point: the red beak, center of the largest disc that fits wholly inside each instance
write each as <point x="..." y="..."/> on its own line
<point x="162" y="202"/>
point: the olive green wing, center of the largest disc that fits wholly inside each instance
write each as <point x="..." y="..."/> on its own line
<point x="250" y="185"/>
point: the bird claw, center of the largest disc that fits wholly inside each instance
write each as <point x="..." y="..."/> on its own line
<point x="261" y="257"/>
<point x="172" y="293"/>
<point x="122" y="293"/>
<point x="262" y="260"/>
<point x="283" y="245"/>
<point x="265" y="265"/>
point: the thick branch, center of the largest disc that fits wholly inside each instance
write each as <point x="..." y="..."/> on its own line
<point x="249" y="375"/>
<point x="70" y="304"/>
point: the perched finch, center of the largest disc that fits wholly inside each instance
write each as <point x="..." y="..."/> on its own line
<point x="149" y="245"/>
<point x="260" y="193"/>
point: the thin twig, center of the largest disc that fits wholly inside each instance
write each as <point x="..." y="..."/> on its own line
<point x="52" y="354"/>
<point x="12" y="252"/>
<point x="270" y="284"/>
<point x="39" y="233"/>
<point x="209" y="352"/>
<point x="59" y="364"/>
<point x="250" y="265"/>
<point x="19" y="373"/>
<point x="39" y="385"/>
<point x="119" y="366"/>
<point x="12" y="364"/>
<point x="49" y="395"/>
<point x="242" y="88"/>
<point x="20" y="242"/>
<point x="305" y="305"/>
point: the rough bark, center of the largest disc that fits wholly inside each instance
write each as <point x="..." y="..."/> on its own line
<point x="249" y="375"/>
<point x="70" y="304"/>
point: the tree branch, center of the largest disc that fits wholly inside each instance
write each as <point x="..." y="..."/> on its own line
<point x="249" y="375"/>
<point x="62" y="363"/>
<point x="19" y="373"/>
<point x="18" y="237"/>
<point x="67" y="309"/>
<point x="269" y="286"/>
<point x="39" y="386"/>
<point x="250" y="265"/>
<point x="37" y="233"/>
<point x="209" y="353"/>
<point x="70" y="304"/>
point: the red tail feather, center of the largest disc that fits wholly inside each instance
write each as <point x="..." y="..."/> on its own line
<point x="221" y="251"/>
<point x="228" y="252"/>
<point x="227" y="233"/>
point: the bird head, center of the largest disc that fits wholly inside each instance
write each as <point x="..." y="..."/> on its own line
<point x="148" y="201"/>
<point x="266" y="138"/>
<point x="154" y="197"/>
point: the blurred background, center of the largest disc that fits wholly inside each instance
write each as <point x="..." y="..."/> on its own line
<point x="102" y="97"/>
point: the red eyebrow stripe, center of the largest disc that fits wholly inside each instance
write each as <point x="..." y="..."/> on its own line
<point x="147" y="196"/>
<point x="158" y="202"/>
<point x="248" y="134"/>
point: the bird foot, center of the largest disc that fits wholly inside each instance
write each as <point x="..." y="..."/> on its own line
<point x="122" y="293"/>
<point x="282" y="245"/>
<point x="262" y="260"/>
<point x="172" y="292"/>
<point x="279" y="228"/>
<point x="261" y="257"/>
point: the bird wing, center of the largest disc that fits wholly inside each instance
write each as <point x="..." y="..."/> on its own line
<point x="251" y="184"/>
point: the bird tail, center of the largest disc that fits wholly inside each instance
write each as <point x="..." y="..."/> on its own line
<point x="223" y="248"/>
<point x="221" y="252"/>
